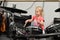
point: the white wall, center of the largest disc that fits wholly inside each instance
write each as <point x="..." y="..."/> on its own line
<point x="49" y="8"/>
<point x="49" y="12"/>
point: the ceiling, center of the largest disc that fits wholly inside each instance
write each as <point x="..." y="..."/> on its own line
<point x="31" y="0"/>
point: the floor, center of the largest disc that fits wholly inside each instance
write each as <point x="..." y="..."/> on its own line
<point x="4" y="37"/>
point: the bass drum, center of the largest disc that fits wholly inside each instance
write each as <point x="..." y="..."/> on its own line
<point x="54" y="28"/>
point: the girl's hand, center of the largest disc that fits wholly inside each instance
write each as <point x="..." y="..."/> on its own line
<point x="40" y="22"/>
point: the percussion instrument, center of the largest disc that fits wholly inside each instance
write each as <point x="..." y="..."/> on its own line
<point x="13" y="10"/>
<point x="3" y="22"/>
<point x="53" y="28"/>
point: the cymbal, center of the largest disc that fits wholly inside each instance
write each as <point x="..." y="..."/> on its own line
<point x="57" y="10"/>
<point x="14" y="10"/>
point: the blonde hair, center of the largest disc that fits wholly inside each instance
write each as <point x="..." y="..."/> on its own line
<point x="40" y="8"/>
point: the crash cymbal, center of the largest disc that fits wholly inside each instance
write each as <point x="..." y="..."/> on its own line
<point x="57" y="10"/>
<point x="14" y="10"/>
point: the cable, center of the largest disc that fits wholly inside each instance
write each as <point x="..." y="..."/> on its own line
<point x="43" y="3"/>
<point x="31" y="5"/>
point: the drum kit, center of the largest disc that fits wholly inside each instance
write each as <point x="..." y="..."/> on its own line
<point x="12" y="29"/>
<point x="15" y="31"/>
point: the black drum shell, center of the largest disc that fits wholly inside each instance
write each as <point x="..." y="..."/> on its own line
<point x="54" y="28"/>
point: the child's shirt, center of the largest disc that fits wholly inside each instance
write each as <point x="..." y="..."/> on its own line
<point x="35" y="19"/>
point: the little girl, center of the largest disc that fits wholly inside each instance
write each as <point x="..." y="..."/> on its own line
<point x="37" y="18"/>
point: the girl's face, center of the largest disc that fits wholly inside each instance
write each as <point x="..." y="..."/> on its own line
<point x="38" y="12"/>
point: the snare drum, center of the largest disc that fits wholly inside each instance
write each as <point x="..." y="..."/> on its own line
<point x="34" y="29"/>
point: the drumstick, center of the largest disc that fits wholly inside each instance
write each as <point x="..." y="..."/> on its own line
<point x="25" y="24"/>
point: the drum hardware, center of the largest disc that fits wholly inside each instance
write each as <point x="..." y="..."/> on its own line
<point x="11" y="22"/>
<point x="19" y="31"/>
<point x="11" y="11"/>
<point x="10" y="14"/>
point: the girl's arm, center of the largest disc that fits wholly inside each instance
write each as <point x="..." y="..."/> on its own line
<point x="29" y="20"/>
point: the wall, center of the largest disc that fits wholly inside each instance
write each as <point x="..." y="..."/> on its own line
<point x="49" y="12"/>
<point x="49" y="8"/>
